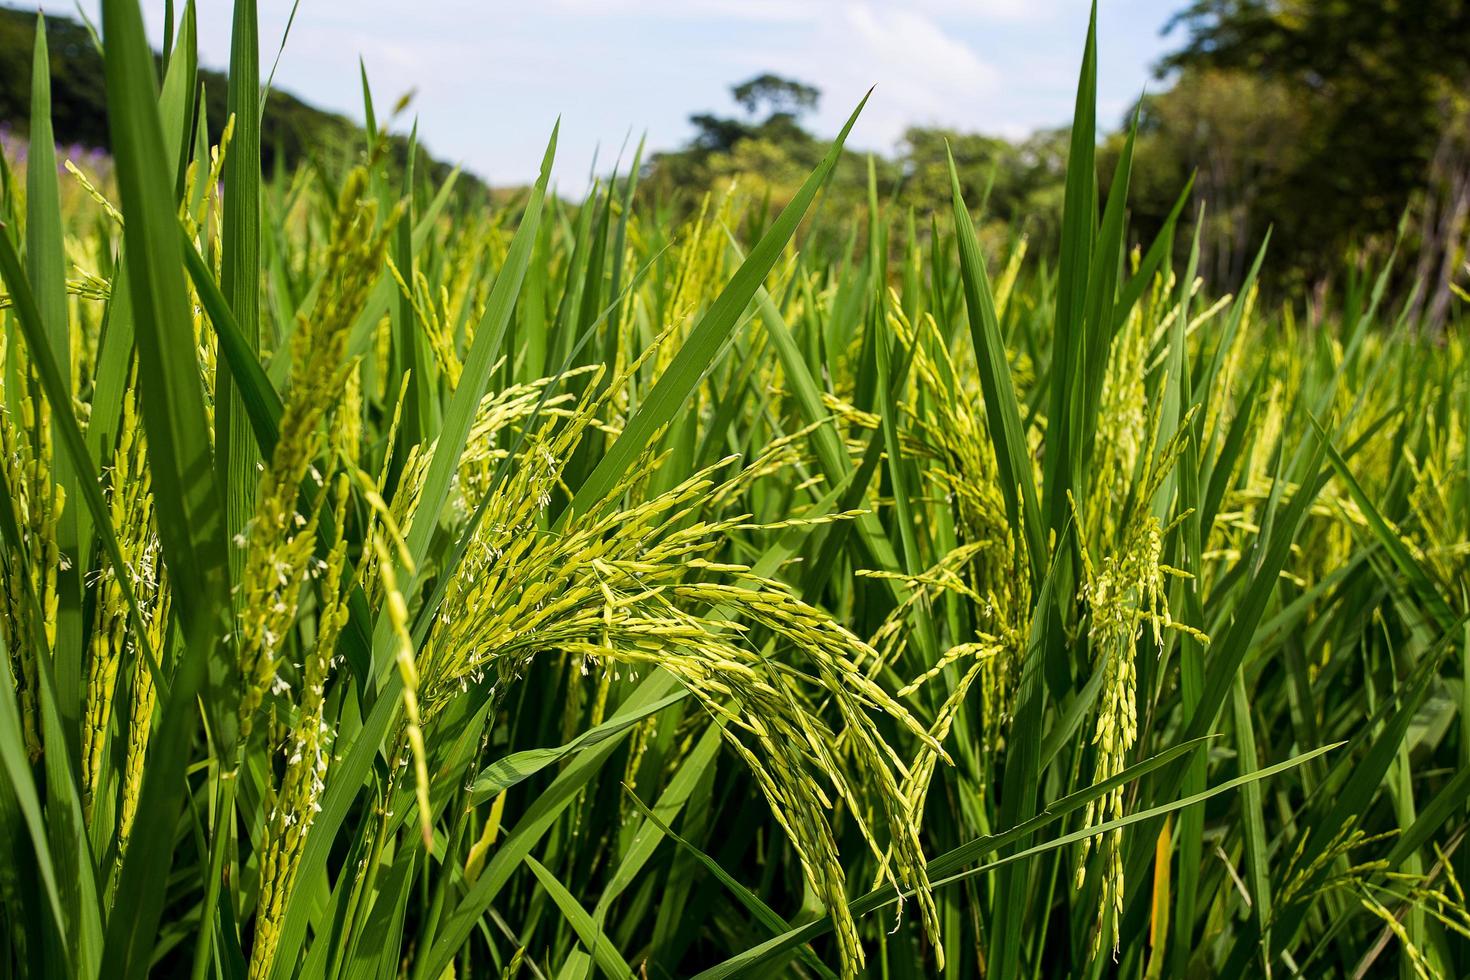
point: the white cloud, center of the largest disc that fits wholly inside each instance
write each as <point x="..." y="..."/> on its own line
<point x="808" y="11"/>
<point x="989" y="9"/>
<point x="491" y="75"/>
<point x="916" y="51"/>
<point x="921" y="72"/>
<point x="756" y="11"/>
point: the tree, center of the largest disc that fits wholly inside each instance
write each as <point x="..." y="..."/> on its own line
<point x="292" y="129"/>
<point x="1376" y="88"/>
<point x="781" y="96"/>
<point x="785" y="101"/>
<point x="1241" y="136"/>
<point x="775" y="148"/>
<point x="1014" y="185"/>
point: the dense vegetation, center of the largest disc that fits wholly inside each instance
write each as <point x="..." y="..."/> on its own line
<point x="1340" y="128"/>
<point x="1328" y="120"/>
<point x="393" y="587"/>
<point x="294" y="134"/>
<point x="1325" y="122"/>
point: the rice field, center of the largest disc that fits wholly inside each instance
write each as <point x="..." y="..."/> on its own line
<point x="401" y="586"/>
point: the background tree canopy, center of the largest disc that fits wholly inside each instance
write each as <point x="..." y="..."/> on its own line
<point x="294" y="132"/>
<point x="1324" y="118"/>
<point x="1325" y="121"/>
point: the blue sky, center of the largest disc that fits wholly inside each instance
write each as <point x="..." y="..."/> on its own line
<point x="490" y="76"/>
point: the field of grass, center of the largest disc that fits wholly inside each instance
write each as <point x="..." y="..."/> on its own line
<point x="391" y="588"/>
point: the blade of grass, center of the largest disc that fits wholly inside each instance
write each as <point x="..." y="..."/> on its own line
<point x="1419" y="582"/>
<point x="240" y="271"/>
<point x="509" y="770"/>
<point x="46" y="272"/>
<point x="1079" y="219"/>
<point x="707" y="337"/>
<point x="459" y="414"/>
<point x="607" y="958"/>
<point x="190" y="523"/>
<point x="18" y="781"/>
<point x="1012" y="453"/>
<point x="949" y="868"/>
<point x="752" y="902"/>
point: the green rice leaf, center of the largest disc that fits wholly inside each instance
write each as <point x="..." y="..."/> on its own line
<point x="707" y="337"/>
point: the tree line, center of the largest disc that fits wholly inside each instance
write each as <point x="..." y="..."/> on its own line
<point x="1342" y="128"/>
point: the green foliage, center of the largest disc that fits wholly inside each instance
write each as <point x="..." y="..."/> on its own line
<point x="617" y="594"/>
<point x="1241" y="136"/>
<point x="294" y="133"/>
<point x="1326" y="119"/>
<point x="1016" y="186"/>
<point x="782" y="96"/>
<point x="1325" y="122"/>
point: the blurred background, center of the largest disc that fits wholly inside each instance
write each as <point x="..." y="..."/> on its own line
<point x="1341" y="126"/>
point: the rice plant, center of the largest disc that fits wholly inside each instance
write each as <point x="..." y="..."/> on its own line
<point x="396" y="585"/>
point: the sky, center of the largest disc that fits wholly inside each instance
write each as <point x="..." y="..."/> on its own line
<point x="490" y="77"/>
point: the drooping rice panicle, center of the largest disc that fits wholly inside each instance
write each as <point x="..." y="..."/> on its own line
<point x="691" y="576"/>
